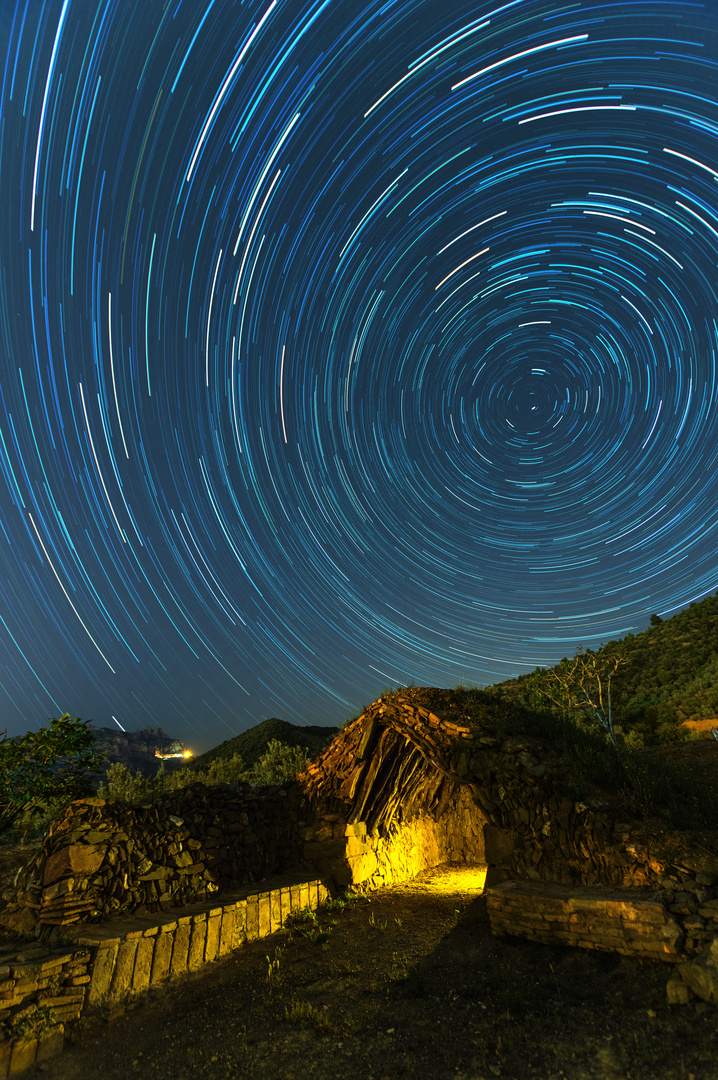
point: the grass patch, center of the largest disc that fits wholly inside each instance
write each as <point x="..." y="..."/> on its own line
<point x="308" y="1015"/>
<point x="306" y="924"/>
<point x="30" y="1023"/>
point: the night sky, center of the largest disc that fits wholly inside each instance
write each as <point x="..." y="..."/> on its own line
<point x="347" y="344"/>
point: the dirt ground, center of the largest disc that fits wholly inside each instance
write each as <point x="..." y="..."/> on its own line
<point x="406" y="982"/>
<point x="696" y="753"/>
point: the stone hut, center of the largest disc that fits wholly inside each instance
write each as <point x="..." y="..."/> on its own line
<point x="413" y="782"/>
<point x="410" y="783"/>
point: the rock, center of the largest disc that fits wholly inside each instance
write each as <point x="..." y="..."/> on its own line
<point x="701" y="973"/>
<point x="78" y="858"/>
<point x="136" y="750"/>
<point x="22" y="921"/>
<point x="499" y="844"/>
<point x="678" y="992"/>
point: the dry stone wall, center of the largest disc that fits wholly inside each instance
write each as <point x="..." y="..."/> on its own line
<point x="680" y="927"/>
<point x="598" y="918"/>
<point x="43" y="988"/>
<point x="382" y="803"/>
<point x="102" y="858"/>
<point x="349" y="854"/>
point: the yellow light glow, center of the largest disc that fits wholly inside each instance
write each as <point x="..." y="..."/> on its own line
<point x="458" y="879"/>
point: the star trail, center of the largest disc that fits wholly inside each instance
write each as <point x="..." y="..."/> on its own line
<point x="346" y="344"/>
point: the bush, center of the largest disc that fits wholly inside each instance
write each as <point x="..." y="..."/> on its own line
<point x="120" y="784"/>
<point x="32" y="1022"/>
<point x="279" y="763"/>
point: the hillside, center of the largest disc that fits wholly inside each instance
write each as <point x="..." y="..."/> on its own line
<point x="251" y="744"/>
<point x="671" y="674"/>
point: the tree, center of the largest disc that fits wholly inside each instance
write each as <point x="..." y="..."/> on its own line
<point x="584" y="685"/>
<point x="55" y="762"/>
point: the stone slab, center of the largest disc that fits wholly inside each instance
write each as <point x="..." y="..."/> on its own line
<point x="143" y="964"/>
<point x="102" y="974"/>
<point x="50" y="1044"/>
<point x="264" y="915"/>
<point x="198" y="935"/>
<point x="180" y="951"/>
<point x="124" y="967"/>
<point x="587" y="917"/>
<point x="211" y="947"/>
<point x="24" y="1053"/>
<point x="226" y="932"/>
<point x="275" y="911"/>
<point x="162" y="957"/>
<point x="252" y="925"/>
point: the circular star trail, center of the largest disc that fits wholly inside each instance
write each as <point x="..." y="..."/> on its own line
<point x="345" y="344"/>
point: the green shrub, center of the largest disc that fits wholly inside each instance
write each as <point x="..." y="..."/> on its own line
<point x="308" y="1015"/>
<point x="32" y="824"/>
<point x="120" y="784"/>
<point x="279" y="763"/>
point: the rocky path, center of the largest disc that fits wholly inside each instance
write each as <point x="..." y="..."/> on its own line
<point x="405" y="983"/>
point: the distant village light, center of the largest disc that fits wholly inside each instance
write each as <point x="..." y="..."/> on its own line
<point x="174" y="754"/>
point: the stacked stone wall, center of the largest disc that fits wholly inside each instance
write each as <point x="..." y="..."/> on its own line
<point x="43" y="988"/>
<point x="102" y="858"/>
<point x="405" y="786"/>
<point x="679" y="926"/>
<point x="608" y="919"/>
<point x="401" y="766"/>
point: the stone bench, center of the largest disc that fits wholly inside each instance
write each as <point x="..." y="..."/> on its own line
<point x="633" y="923"/>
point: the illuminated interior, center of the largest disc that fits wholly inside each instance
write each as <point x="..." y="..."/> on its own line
<point x="457" y="879"/>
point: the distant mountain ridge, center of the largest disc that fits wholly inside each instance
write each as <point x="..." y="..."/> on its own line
<point x="136" y="749"/>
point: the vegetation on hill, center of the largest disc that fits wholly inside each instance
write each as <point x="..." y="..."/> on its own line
<point x="659" y="679"/>
<point x="269" y="753"/>
<point x="278" y="763"/>
<point x="670" y="675"/>
<point x="254" y="742"/>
